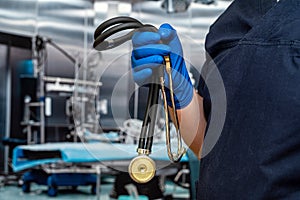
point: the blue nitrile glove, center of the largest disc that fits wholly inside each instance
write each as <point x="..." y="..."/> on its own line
<point x="148" y="51"/>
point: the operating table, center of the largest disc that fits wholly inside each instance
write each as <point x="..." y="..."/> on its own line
<point x="82" y="163"/>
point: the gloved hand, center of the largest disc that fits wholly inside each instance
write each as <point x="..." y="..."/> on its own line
<point x="147" y="55"/>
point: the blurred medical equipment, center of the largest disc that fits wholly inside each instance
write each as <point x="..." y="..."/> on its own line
<point x="29" y="119"/>
<point x="142" y="168"/>
<point x="174" y="6"/>
<point x="58" y="85"/>
<point x="132" y="129"/>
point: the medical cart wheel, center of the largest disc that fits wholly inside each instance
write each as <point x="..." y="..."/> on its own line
<point x="94" y="189"/>
<point x="26" y="187"/>
<point x="52" y="191"/>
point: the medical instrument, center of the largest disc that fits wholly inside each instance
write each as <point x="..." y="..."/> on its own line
<point x="142" y="168"/>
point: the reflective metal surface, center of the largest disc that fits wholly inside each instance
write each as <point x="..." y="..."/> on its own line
<point x="54" y="19"/>
<point x="71" y="25"/>
<point x="68" y="21"/>
<point x="142" y="169"/>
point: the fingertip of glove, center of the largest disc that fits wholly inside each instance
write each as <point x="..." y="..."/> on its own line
<point x="166" y="31"/>
<point x="166" y="26"/>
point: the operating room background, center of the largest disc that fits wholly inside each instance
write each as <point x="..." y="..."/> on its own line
<point x="71" y="24"/>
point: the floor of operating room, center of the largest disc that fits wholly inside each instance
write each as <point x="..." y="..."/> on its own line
<point x="39" y="192"/>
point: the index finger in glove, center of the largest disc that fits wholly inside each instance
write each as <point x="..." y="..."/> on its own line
<point x="144" y="62"/>
<point x="144" y="38"/>
<point x="150" y="50"/>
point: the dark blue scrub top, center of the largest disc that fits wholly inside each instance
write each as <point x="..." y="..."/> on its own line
<point x="255" y="45"/>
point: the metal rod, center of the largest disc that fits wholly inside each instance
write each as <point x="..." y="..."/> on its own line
<point x="8" y="109"/>
<point x="98" y="184"/>
<point x="42" y="100"/>
<point x="70" y="80"/>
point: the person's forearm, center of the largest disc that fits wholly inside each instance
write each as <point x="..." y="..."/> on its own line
<point x="192" y="124"/>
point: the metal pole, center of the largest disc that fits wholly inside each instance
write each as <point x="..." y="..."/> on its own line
<point x="8" y="109"/>
<point x="42" y="101"/>
<point x="76" y="66"/>
<point x="98" y="171"/>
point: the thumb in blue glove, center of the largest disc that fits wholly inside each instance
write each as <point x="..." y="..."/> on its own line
<point x="148" y="53"/>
